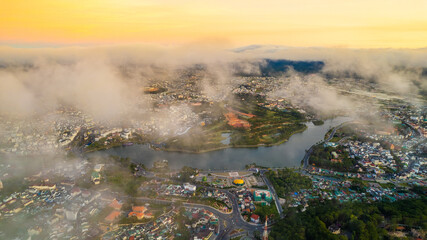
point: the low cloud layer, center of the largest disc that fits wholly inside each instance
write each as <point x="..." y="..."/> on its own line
<point x="106" y="82"/>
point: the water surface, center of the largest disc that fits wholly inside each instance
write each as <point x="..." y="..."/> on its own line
<point x="288" y="154"/>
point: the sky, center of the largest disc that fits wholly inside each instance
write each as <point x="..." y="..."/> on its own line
<point x="299" y="23"/>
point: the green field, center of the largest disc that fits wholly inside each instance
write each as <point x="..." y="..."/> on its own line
<point x="267" y="128"/>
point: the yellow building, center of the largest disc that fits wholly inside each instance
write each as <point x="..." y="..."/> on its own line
<point x="239" y="182"/>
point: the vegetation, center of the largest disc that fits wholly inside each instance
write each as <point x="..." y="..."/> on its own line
<point x="318" y="122"/>
<point x="267" y="127"/>
<point x="187" y="174"/>
<point x="287" y="180"/>
<point x="182" y="233"/>
<point x="355" y="220"/>
<point x="269" y="211"/>
<point x="254" y="165"/>
<point x="322" y="157"/>
<point x="119" y="175"/>
<point x="156" y="209"/>
<point x="101" y="215"/>
<point x="114" y="141"/>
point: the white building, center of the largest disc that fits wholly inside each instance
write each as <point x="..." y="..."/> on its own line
<point x="98" y="167"/>
<point x="189" y="187"/>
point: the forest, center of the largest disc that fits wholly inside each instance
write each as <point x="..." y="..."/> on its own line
<point x="354" y="220"/>
<point x="287" y="180"/>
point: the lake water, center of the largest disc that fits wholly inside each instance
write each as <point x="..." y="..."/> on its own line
<point x="288" y="154"/>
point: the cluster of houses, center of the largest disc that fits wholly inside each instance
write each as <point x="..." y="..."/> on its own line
<point x="204" y="223"/>
<point x="138" y="212"/>
<point x="55" y="208"/>
<point x="247" y="200"/>
<point x="185" y="190"/>
<point x="26" y="137"/>
<point x="42" y="134"/>
<point x="328" y="188"/>
<point x="373" y="157"/>
<point x="219" y="196"/>
<point x="161" y="228"/>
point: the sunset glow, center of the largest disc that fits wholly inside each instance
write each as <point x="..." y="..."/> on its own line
<point x="331" y="23"/>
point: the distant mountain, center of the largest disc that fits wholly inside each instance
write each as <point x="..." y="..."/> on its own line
<point x="275" y="67"/>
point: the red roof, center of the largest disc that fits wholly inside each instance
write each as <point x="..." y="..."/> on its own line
<point x="254" y="217"/>
<point x="140" y="209"/>
<point x="115" y="204"/>
<point x="138" y="215"/>
<point x="112" y="216"/>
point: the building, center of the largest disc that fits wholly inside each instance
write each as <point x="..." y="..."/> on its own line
<point x="238" y="182"/>
<point x="335" y="229"/>
<point x="96" y="177"/>
<point x="138" y="212"/>
<point x="115" y="204"/>
<point x="330" y="144"/>
<point x="254" y="218"/>
<point x="44" y="186"/>
<point x="71" y="214"/>
<point x="75" y="191"/>
<point x="189" y="187"/>
<point x="98" y="167"/>
<point x="260" y="195"/>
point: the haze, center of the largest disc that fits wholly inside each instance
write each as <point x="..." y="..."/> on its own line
<point x="330" y="23"/>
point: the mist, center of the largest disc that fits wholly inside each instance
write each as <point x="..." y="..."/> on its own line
<point x="106" y="83"/>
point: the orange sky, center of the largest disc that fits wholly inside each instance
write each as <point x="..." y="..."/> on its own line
<point x="323" y="23"/>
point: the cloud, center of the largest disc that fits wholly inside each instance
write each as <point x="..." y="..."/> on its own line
<point x="105" y="82"/>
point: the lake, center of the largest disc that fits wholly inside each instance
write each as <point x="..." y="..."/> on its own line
<point x="288" y="154"/>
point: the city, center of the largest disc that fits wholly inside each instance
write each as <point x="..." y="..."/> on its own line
<point x="213" y="120"/>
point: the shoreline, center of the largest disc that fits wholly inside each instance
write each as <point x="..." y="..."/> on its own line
<point x="205" y="150"/>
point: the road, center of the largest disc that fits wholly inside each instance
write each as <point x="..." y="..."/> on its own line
<point x="310" y="150"/>
<point x="276" y="198"/>
<point x="235" y="219"/>
<point x="232" y="220"/>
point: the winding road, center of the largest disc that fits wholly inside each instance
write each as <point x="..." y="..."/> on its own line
<point x="227" y="221"/>
<point x="310" y="150"/>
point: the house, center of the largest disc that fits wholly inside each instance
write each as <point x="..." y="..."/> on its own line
<point x="259" y="195"/>
<point x="75" y="191"/>
<point x="86" y="193"/>
<point x="334" y="154"/>
<point x="44" y="186"/>
<point x="335" y="229"/>
<point x="98" y="167"/>
<point x="138" y="212"/>
<point x="96" y="177"/>
<point x="189" y="187"/>
<point x="115" y="204"/>
<point x="71" y="214"/>
<point x="254" y="218"/>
